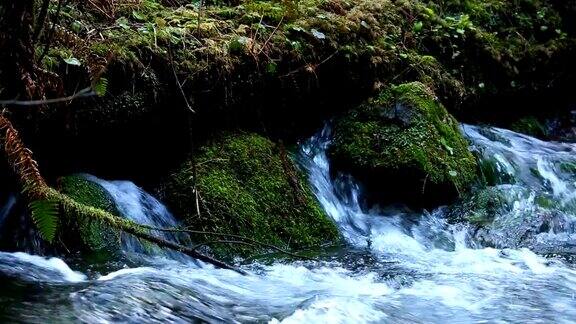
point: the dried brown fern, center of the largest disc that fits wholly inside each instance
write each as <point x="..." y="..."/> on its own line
<point x="20" y="158"/>
<point x="43" y="211"/>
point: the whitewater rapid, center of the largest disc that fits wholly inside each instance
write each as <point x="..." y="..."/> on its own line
<point x="398" y="266"/>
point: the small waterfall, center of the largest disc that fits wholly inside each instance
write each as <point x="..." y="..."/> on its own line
<point x="391" y="229"/>
<point x="535" y="179"/>
<point x="139" y="206"/>
<point x="544" y="167"/>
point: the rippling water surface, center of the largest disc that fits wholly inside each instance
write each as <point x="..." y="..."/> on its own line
<point x="398" y="266"/>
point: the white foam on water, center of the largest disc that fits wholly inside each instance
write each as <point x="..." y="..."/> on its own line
<point x="52" y="264"/>
<point x="399" y="267"/>
<point x="125" y="272"/>
<point x="335" y="310"/>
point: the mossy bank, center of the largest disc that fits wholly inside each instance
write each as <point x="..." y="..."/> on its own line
<point x="275" y="67"/>
<point x="171" y="77"/>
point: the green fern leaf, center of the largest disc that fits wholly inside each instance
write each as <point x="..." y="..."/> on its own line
<point x="101" y="86"/>
<point x="45" y="217"/>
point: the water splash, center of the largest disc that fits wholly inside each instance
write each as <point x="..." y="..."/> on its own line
<point x="538" y="181"/>
<point x="37" y="268"/>
<point x="546" y="167"/>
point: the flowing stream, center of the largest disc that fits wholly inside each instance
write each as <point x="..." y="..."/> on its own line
<point x="398" y="266"/>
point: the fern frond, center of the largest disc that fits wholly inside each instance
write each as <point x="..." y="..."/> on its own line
<point x="100" y="87"/>
<point x="45" y="216"/>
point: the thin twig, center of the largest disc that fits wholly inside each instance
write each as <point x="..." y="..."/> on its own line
<point x="211" y="160"/>
<point x="178" y="81"/>
<point x="255" y="36"/>
<point x="51" y="33"/>
<point x="86" y="92"/>
<point x="271" y="35"/>
<point x="109" y="15"/>
<point x="246" y="239"/>
<point x="201" y="6"/>
<point x="197" y="202"/>
<point x="314" y="65"/>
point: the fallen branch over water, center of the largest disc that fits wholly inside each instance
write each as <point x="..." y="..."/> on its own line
<point x="35" y="188"/>
<point x="242" y="239"/>
<point x="129" y="227"/>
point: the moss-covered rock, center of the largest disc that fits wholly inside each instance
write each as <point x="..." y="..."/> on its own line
<point x="530" y="126"/>
<point x="247" y="185"/>
<point x="405" y="146"/>
<point x="511" y="216"/>
<point x="93" y="237"/>
<point x="480" y="208"/>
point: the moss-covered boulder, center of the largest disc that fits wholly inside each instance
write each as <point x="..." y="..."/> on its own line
<point x="404" y="146"/>
<point x="85" y="235"/>
<point x="245" y="184"/>
<point x="530" y="126"/>
<point x="512" y="216"/>
<point x="480" y="208"/>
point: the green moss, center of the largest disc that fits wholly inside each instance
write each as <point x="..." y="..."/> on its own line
<point x="269" y="10"/>
<point x="247" y="185"/>
<point x="529" y="126"/>
<point x="96" y="238"/>
<point x="479" y="208"/>
<point x="405" y="129"/>
<point x="461" y="49"/>
<point x="568" y="167"/>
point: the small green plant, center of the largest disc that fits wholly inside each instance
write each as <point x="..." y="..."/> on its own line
<point x="45" y="217"/>
<point x="100" y="86"/>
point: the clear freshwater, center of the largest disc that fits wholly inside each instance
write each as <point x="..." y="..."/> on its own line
<point x="397" y="266"/>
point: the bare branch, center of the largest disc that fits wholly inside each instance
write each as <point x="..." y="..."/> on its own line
<point x="86" y="92"/>
<point x="226" y="235"/>
<point x="178" y="82"/>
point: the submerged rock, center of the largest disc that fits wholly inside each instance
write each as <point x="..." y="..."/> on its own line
<point x="245" y="184"/>
<point x="404" y="146"/>
<point x="480" y="208"/>
<point x="513" y="216"/>
<point x="87" y="235"/>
